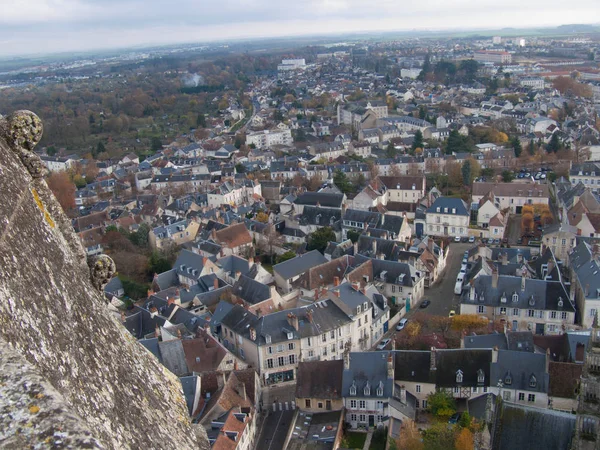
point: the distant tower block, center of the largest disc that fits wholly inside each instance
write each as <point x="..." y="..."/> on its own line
<point x="496" y="40"/>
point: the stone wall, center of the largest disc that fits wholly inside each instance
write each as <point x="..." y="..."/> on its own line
<point x="53" y="318"/>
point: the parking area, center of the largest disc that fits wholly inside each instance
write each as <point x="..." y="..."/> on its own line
<point x="274" y="429"/>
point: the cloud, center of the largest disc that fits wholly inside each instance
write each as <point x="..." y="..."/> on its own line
<point x="38" y="26"/>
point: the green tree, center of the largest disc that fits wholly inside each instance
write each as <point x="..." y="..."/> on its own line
<point x="554" y="145"/>
<point x="469" y="67"/>
<point x="201" y="121"/>
<point x="320" y="239"/>
<point x="507" y="176"/>
<point x="440" y="436"/>
<point x="340" y="179"/>
<point x="51" y="150"/>
<point x="353" y="235"/>
<point x="240" y="168"/>
<point x="531" y="147"/>
<point x="457" y="143"/>
<point x="100" y="148"/>
<point x="417" y="141"/>
<point x="155" y="144"/>
<point x="140" y="238"/>
<point x="285" y="256"/>
<point x="158" y="264"/>
<point x="516" y="145"/>
<point x="465" y="420"/>
<point x="422" y="112"/>
<point x="426" y="68"/>
<point x="441" y="404"/>
<point x="466" y="172"/>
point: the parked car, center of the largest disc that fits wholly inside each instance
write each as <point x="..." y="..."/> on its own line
<point x="424" y="304"/>
<point x="401" y="324"/>
<point x="505" y="240"/>
<point x="455" y="417"/>
<point x="519" y="241"/>
<point x="383" y="344"/>
<point x="497" y="241"/>
<point x="452" y="313"/>
<point x="457" y="239"/>
<point x="490" y="241"/>
<point x="465" y="239"/>
<point x="471" y="239"/>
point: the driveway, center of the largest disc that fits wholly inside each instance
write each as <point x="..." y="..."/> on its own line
<point x="514" y="229"/>
<point x="441" y="294"/>
<point x="275" y="429"/>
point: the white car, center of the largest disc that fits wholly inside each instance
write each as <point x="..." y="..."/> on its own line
<point x="457" y="239"/>
<point x="401" y="324"/>
<point x="383" y="344"/>
<point x="471" y="239"/>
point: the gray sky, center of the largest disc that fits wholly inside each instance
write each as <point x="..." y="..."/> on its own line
<point x="42" y="26"/>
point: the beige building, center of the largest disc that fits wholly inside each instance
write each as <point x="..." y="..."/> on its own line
<point x="177" y="234"/>
<point x="561" y="239"/>
<point x="319" y="386"/>
<point x="512" y="196"/>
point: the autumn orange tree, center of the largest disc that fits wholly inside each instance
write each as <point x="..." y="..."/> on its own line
<point x="468" y="322"/>
<point x="63" y="189"/>
<point x="409" y="439"/>
<point x="464" y="440"/>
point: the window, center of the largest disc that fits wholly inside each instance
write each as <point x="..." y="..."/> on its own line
<point x="311" y="353"/>
<point x="539" y="314"/>
<point x="475" y="390"/>
<point x="503" y="311"/>
<point x="279" y="348"/>
<point x="281" y="361"/>
<point x="424" y="404"/>
<point x="291" y="346"/>
<point x="366" y="318"/>
<point x="269" y="363"/>
<point x="551" y="328"/>
<point x="332" y="334"/>
<point x="362" y="404"/>
<point x="332" y="348"/>
<point x="353" y="388"/>
<point x="292" y="359"/>
<point x="481" y="309"/>
<point x="563" y="315"/>
<point x="324" y="337"/>
<point x="367" y="389"/>
<point x="530" y="313"/>
<point x="320" y="405"/>
<point x="521" y="396"/>
<point x="553" y="314"/>
<point x="393" y="288"/>
<point x="270" y="350"/>
<point x="508" y="379"/>
<point x="456" y="390"/>
<point x="531" y="398"/>
<point x="417" y="404"/>
<point x="359" y="322"/>
<point x="358" y="310"/>
<point x="480" y="376"/>
<point x="515" y="298"/>
<point x="309" y="342"/>
<point x="593" y="312"/>
<point x="459" y="376"/>
<point x="353" y="417"/>
<point x="353" y="404"/>
<point x="418" y="388"/>
<point x="307" y="402"/>
<point x="515" y="312"/>
<point x="485" y="389"/>
<point x="564" y="242"/>
<point x="379" y="419"/>
<point x="362" y="418"/>
<point x="532" y="381"/>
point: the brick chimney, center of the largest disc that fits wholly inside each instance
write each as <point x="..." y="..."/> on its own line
<point x="309" y="315"/>
<point x="237" y="275"/>
<point x="523" y="278"/>
<point x="495" y="277"/>
<point x="336" y="281"/>
<point x="293" y="320"/>
<point x="213" y="234"/>
<point x="356" y="285"/>
<point x="336" y="292"/>
<point x="216" y="283"/>
<point x="432" y="359"/>
<point x="251" y="261"/>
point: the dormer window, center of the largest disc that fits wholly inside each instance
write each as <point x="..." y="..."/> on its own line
<point x="290" y="336"/>
<point x="503" y="298"/>
<point x="560" y="302"/>
<point x="365" y="306"/>
<point x="531" y="301"/>
<point x="437" y="209"/>
<point x="367" y="389"/>
<point x="353" y="388"/>
<point x="358" y="309"/>
<point x="515" y="297"/>
<point x="268" y="338"/>
<point x="459" y="376"/>
<point x="453" y="210"/>
<point x="445" y="210"/>
<point x="508" y="379"/>
<point x="480" y="376"/>
<point x="380" y="389"/>
<point x="532" y="381"/>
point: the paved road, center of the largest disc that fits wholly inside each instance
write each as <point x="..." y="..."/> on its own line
<point x="274" y="430"/>
<point x="514" y="229"/>
<point x="441" y="294"/>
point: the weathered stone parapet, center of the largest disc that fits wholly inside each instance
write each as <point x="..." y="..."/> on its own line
<point x="56" y="319"/>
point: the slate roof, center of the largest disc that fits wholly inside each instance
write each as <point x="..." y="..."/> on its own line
<point x="298" y="265"/>
<point x="586" y="269"/>
<point x="469" y="362"/>
<point x="323" y="199"/>
<point x="449" y="203"/>
<point x="520" y="367"/>
<point x="173" y="356"/>
<point x="371" y="368"/>
<point x="320" y="379"/>
<point x="486" y="341"/>
<point x="519" y="426"/>
<point x="412" y="365"/>
<point x="233" y="236"/>
<point x="564" y="379"/>
<point x="189" y="385"/>
<point x="538" y="294"/>
<point x="511" y="189"/>
<point x="250" y="290"/>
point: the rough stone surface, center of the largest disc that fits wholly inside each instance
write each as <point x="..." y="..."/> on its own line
<point x="55" y="319"/>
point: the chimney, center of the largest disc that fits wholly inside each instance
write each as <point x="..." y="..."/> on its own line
<point x="347" y="360"/>
<point x="495" y="354"/>
<point x="250" y="261"/>
<point x="221" y="380"/>
<point x="550" y="266"/>
<point x="178" y="333"/>
<point x="170" y="301"/>
<point x="382" y="219"/>
<point x="374" y="247"/>
<point x="293" y="320"/>
<point x="336" y="292"/>
<point x="523" y="277"/>
<point x="495" y="277"/>
<point x="252" y="334"/>
<point x="122" y="316"/>
<point x="504" y="258"/>
<point x="156" y="331"/>
<point x="237" y="275"/>
<point x="336" y="281"/>
<point x="432" y="359"/>
<point x="213" y="234"/>
<point x="204" y="260"/>
<point x="403" y="394"/>
<point x="356" y="285"/>
<point x="390" y="366"/>
<point x="309" y="315"/>
<point x="472" y="291"/>
<point x="216" y="283"/>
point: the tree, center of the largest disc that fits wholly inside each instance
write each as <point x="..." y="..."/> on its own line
<point x="531" y="147"/>
<point x="287" y="255"/>
<point x="271" y="238"/>
<point x="240" y="168"/>
<point x="157" y="263"/>
<point x="340" y="179"/>
<point x="201" y="121"/>
<point x="422" y="112"/>
<point x="417" y="141"/>
<point x="466" y="172"/>
<point x="140" y="237"/>
<point x="409" y="439"/>
<point x="439" y="436"/>
<point x="390" y="150"/>
<point x="51" y="150"/>
<point x="262" y="217"/>
<point x="526" y="222"/>
<point x="464" y="440"/>
<point x="468" y="322"/>
<point x="155" y="144"/>
<point x="507" y="176"/>
<point x="554" y="145"/>
<point x="319" y="239"/>
<point x="441" y="404"/>
<point x="100" y="148"/>
<point x="457" y="143"/>
<point x="516" y="145"/>
<point x="63" y="189"/>
<point x="353" y="235"/>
